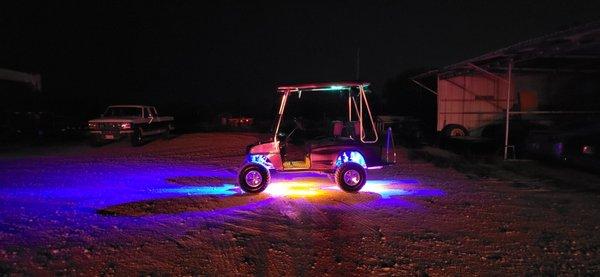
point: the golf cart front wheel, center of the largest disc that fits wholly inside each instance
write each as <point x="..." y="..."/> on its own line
<point x="253" y="178"/>
<point x="351" y="177"/>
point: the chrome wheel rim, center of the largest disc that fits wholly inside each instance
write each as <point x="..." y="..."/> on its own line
<point x="352" y="177"/>
<point x="457" y="133"/>
<point x="253" y="178"/>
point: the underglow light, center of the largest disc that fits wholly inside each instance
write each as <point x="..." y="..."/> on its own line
<point x="223" y="190"/>
<point x="294" y="189"/>
<point x="383" y="189"/>
<point x="262" y="160"/>
<point x="351" y="156"/>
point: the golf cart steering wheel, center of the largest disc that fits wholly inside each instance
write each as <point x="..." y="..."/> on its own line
<point x="299" y="123"/>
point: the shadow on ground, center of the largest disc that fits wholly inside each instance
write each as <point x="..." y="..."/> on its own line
<point x="180" y="205"/>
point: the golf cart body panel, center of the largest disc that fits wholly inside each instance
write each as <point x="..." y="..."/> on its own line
<point x="327" y="156"/>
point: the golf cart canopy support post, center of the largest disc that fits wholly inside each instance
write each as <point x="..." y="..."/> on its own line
<point x="333" y="86"/>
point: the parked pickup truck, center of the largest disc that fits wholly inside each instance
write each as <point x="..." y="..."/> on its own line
<point x="135" y="122"/>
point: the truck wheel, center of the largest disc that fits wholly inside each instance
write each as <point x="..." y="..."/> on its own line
<point x="167" y="133"/>
<point x="137" y="138"/>
<point x="254" y="178"/>
<point x="96" y="142"/>
<point x="351" y="177"/>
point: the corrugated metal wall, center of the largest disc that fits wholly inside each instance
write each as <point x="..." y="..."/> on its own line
<point x="471" y="101"/>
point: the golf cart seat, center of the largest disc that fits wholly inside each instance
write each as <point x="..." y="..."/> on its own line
<point x="337" y="127"/>
<point x="353" y="129"/>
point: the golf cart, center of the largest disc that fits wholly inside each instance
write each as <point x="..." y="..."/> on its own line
<point x="343" y="140"/>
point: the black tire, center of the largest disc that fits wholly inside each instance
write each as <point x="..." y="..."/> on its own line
<point x="137" y="139"/>
<point x="331" y="177"/>
<point x="96" y="141"/>
<point x="264" y="179"/>
<point x="345" y="172"/>
<point x="454" y="130"/>
<point x="167" y="133"/>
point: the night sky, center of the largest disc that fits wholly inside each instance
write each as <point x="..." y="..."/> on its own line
<point x="229" y="55"/>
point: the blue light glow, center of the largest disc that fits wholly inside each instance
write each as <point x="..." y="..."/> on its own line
<point x="260" y="159"/>
<point x="350" y="156"/>
<point x="223" y="190"/>
<point x="61" y="194"/>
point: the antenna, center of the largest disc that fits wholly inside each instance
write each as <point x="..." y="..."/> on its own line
<point x="357" y="63"/>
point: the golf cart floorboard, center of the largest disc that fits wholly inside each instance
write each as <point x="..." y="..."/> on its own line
<point x="296" y="165"/>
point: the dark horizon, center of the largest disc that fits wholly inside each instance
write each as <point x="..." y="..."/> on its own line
<point x="228" y="57"/>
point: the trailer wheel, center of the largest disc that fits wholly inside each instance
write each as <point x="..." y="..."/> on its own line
<point x="454" y="130"/>
<point x="351" y="177"/>
<point x="254" y="178"/>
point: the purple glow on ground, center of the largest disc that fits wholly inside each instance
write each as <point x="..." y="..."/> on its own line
<point x="58" y="193"/>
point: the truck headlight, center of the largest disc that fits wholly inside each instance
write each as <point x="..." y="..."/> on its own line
<point x="92" y="126"/>
<point x="125" y="125"/>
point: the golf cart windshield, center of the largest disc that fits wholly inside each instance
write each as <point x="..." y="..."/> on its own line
<point x="311" y="114"/>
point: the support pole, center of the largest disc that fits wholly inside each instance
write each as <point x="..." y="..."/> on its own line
<point x="349" y="106"/>
<point x="508" y="91"/>
<point x="424" y="86"/>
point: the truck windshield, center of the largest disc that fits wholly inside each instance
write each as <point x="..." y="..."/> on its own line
<point x="123" y="111"/>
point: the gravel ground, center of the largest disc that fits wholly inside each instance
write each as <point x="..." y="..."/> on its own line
<point x="171" y="207"/>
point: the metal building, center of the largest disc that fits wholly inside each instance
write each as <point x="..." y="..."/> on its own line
<point x="556" y="74"/>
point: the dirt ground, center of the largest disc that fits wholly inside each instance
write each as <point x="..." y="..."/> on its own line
<point x="172" y="207"/>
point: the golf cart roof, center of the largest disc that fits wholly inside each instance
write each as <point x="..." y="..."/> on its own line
<point x="329" y="86"/>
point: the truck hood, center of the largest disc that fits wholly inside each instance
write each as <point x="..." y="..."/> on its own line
<point x="130" y="119"/>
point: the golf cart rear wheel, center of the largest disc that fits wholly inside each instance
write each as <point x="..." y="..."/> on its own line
<point x="331" y="177"/>
<point x="254" y="178"/>
<point x="351" y="177"/>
